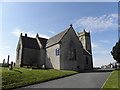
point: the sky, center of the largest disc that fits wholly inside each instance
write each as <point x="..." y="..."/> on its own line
<point x="51" y="18"/>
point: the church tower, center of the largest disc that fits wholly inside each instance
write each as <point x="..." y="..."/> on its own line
<point x="84" y="37"/>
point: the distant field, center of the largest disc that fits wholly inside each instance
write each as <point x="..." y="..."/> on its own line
<point x="113" y="81"/>
<point x="21" y="76"/>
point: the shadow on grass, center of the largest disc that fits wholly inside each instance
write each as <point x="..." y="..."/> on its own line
<point x="20" y="86"/>
<point x="17" y="71"/>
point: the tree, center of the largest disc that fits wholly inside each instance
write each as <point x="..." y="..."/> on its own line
<point x="116" y="52"/>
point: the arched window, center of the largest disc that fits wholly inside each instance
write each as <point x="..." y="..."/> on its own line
<point x="57" y="52"/>
<point x="72" y="51"/>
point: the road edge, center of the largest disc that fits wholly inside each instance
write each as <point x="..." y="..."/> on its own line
<point x="107" y="79"/>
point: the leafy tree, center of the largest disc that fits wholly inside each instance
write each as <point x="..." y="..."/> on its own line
<point x="116" y="52"/>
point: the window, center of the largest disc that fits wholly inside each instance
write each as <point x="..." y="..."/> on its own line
<point x="72" y="51"/>
<point x="86" y="60"/>
<point x="75" y="54"/>
<point x="57" y="52"/>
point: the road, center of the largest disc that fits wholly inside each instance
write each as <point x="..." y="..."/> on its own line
<point x="94" y="79"/>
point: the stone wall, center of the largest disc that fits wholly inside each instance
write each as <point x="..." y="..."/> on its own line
<point x="65" y="62"/>
<point x="31" y="57"/>
<point x="19" y="54"/>
<point x="52" y="60"/>
<point x="88" y="64"/>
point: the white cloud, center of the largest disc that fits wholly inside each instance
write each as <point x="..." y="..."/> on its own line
<point x="114" y="15"/>
<point x="44" y="36"/>
<point x="52" y="32"/>
<point x="17" y="32"/>
<point x="101" y="23"/>
<point x="94" y="45"/>
<point x="99" y="49"/>
<point x="104" y="41"/>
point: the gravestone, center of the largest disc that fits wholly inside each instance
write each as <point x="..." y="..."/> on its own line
<point x="8" y="59"/>
<point x="14" y="64"/>
<point x="43" y="66"/>
<point x="11" y="66"/>
<point x="3" y="61"/>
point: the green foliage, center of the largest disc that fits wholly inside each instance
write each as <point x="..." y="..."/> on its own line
<point x="113" y="80"/>
<point x="116" y="52"/>
<point x="21" y="76"/>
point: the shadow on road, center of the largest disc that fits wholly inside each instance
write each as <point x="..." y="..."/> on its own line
<point x="98" y="71"/>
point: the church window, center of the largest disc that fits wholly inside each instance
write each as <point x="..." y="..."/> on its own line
<point x="72" y="51"/>
<point x="86" y="60"/>
<point x="75" y="54"/>
<point x="57" y="52"/>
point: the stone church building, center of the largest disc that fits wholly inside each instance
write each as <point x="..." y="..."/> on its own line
<point x="64" y="51"/>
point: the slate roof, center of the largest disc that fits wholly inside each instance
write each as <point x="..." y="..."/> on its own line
<point x="55" y="39"/>
<point x="43" y="41"/>
<point x="28" y="42"/>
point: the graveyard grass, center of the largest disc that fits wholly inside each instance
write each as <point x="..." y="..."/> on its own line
<point x="22" y="76"/>
<point x="113" y="81"/>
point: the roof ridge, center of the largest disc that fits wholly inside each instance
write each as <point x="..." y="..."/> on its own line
<point x="87" y="51"/>
<point x="59" y="33"/>
<point x="55" y="39"/>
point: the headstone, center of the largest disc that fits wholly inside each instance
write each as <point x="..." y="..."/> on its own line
<point x="11" y="66"/>
<point x="43" y="66"/>
<point x="14" y="64"/>
<point x="8" y="59"/>
<point x="115" y="65"/>
<point x="3" y="61"/>
<point x="118" y="65"/>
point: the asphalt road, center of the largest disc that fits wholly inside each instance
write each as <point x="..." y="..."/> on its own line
<point x="94" y="79"/>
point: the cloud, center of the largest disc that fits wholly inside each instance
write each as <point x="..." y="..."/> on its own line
<point x="94" y="45"/>
<point x="99" y="49"/>
<point x="104" y="41"/>
<point x="44" y="36"/>
<point x="17" y="32"/>
<point x="114" y="15"/>
<point x="102" y="23"/>
<point x="52" y="32"/>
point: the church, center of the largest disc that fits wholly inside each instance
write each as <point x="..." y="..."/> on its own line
<point x="67" y="50"/>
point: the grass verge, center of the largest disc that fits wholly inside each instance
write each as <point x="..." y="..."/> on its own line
<point x="113" y="81"/>
<point x="22" y="76"/>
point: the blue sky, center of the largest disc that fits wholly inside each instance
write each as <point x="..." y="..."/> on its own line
<point x="49" y="19"/>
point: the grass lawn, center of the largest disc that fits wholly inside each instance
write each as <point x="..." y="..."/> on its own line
<point x="21" y="76"/>
<point x="113" y="81"/>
